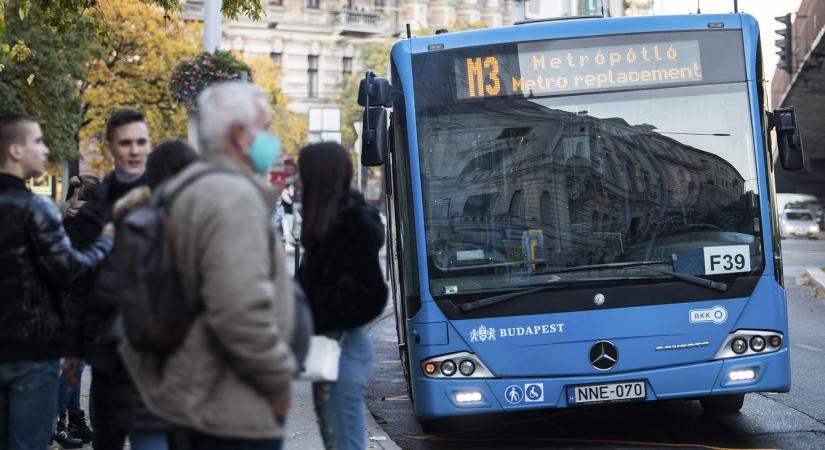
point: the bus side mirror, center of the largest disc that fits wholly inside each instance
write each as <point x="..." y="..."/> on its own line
<point x="374" y="94"/>
<point x="788" y="138"/>
<point x="374" y="91"/>
<point x="374" y="138"/>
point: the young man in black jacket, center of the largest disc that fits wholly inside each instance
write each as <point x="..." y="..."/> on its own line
<point x="117" y="405"/>
<point x="37" y="261"/>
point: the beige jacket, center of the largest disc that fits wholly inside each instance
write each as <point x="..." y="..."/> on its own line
<point x="235" y="359"/>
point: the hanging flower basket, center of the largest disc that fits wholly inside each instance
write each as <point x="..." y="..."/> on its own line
<point x="193" y="75"/>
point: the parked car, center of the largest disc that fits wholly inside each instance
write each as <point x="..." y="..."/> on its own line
<point x="799" y="222"/>
<point x="801" y="201"/>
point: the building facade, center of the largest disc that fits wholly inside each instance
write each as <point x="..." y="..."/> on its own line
<point x="316" y="43"/>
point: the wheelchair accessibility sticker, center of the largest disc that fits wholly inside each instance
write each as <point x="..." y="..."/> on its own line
<point x="528" y="393"/>
<point x="534" y="392"/>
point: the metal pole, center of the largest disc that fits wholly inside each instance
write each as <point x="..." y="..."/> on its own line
<point x="211" y="25"/>
<point x="211" y="43"/>
<point x="297" y="246"/>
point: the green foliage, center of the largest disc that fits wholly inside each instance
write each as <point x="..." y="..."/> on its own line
<point x="40" y="75"/>
<point x="61" y="15"/>
<point x="375" y="57"/>
<point x="138" y="46"/>
<point x="193" y="75"/>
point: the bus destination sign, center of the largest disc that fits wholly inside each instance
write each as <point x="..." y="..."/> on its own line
<point x="537" y="70"/>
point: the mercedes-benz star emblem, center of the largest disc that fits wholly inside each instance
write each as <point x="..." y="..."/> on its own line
<point x="603" y="355"/>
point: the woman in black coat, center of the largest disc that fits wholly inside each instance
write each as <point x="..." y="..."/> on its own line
<point x="342" y="278"/>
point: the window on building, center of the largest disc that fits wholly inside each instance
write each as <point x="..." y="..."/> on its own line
<point x="312" y="75"/>
<point x="379" y="5"/>
<point x="276" y="58"/>
<point x="313" y="4"/>
<point x="275" y="2"/>
<point x="346" y="65"/>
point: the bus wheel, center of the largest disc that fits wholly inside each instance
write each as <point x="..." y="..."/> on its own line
<point x="717" y="404"/>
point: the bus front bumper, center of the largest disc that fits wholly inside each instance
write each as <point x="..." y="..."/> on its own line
<point x="453" y="397"/>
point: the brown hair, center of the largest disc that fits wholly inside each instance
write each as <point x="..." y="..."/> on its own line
<point x="120" y="118"/>
<point x="167" y="159"/>
<point x="326" y="173"/>
<point x="12" y="132"/>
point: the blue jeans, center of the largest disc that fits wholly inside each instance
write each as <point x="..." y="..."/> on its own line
<point x="340" y="405"/>
<point x="148" y="440"/>
<point x="28" y="404"/>
<point x="201" y="441"/>
<point x="68" y="398"/>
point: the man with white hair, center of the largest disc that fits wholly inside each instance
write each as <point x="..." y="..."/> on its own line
<point x="228" y="384"/>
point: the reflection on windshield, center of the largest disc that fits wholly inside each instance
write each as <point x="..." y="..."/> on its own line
<point x="519" y="187"/>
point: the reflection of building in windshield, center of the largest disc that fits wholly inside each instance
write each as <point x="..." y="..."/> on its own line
<point x="593" y="188"/>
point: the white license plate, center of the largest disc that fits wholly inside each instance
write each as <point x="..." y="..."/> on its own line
<point x="606" y="392"/>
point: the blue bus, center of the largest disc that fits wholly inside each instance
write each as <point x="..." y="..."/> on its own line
<point x="582" y="211"/>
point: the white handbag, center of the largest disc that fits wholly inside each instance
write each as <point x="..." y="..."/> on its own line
<point x="321" y="363"/>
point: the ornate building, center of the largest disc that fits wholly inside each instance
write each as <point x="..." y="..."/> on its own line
<point x="316" y="42"/>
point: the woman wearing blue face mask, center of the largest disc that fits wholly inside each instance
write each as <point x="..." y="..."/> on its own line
<point x="342" y="278"/>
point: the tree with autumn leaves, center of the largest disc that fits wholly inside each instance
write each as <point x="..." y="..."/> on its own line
<point x="118" y="54"/>
<point x="137" y="48"/>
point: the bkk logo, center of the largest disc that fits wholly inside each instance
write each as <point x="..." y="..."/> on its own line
<point x="483" y="333"/>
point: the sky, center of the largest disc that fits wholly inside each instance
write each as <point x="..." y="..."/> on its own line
<point x="763" y="10"/>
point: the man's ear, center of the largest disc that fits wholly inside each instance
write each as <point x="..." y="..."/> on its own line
<point x="15" y="152"/>
<point x="238" y="139"/>
<point x="107" y="150"/>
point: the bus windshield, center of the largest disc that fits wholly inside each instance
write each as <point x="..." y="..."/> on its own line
<point x="518" y="189"/>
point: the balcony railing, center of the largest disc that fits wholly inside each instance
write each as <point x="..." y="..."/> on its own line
<point x="357" y="22"/>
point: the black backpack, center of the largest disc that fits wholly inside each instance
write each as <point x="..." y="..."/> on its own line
<point x="154" y="314"/>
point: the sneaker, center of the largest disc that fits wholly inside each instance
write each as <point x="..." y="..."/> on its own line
<point x="78" y="428"/>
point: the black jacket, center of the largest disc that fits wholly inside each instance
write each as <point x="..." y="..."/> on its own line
<point x="98" y="300"/>
<point x="37" y="262"/>
<point x="94" y="299"/>
<point x="342" y="276"/>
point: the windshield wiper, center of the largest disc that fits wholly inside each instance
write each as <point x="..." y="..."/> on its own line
<point x="555" y="284"/>
<point x="605" y="266"/>
<point x="560" y="283"/>
<point x="699" y="281"/>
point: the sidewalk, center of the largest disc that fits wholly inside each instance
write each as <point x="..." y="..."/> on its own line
<point x="302" y="431"/>
<point x="818" y="276"/>
<point x="302" y="427"/>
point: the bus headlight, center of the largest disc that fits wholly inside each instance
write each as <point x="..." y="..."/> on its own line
<point x="467" y="367"/>
<point x="749" y="342"/>
<point x="468" y="397"/>
<point x="758" y="343"/>
<point x="448" y="368"/>
<point x="739" y="346"/>
<point x="445" y="366"/>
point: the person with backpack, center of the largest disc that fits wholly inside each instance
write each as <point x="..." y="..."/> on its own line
<point x="37" y="263"/>
<point x="342" y="277"/>
<point x="227" y="383"/>
<point x="126" y="413"/>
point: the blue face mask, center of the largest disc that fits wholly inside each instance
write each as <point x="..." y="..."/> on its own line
<point x="264" y="151"/>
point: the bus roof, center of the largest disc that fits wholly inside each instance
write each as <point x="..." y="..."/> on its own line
<point x="583" y="27"/>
